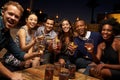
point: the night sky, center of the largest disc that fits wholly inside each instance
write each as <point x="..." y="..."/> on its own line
<point x="70" y="8"/>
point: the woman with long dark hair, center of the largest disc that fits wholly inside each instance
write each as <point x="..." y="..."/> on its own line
<point x="66" y="37"/>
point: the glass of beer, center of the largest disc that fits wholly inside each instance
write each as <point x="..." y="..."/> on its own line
<point x="72" y="70"/>
<point x="89" y="44"/>
<point x="57" y="68"/>
<point x="49" y="72"/>
<point x="40" y="44"/>
<point x="73" y="45"/>
<point x="64" y="75"/>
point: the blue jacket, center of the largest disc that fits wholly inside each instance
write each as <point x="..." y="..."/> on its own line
<point x="81" y="50"/>
<point x="8" y="43"/>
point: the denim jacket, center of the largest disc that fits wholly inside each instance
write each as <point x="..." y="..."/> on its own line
<point x="8" y="43"/>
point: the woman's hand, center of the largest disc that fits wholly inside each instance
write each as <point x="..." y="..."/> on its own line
<point x="72" y="47"/>
<point x="96" y="70"/>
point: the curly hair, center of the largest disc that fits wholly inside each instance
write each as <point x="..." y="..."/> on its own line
<point x="113" y="22"/>
<point x="5" y="7"/>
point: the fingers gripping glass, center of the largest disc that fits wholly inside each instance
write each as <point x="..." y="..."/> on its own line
<point x="89" y="44"/>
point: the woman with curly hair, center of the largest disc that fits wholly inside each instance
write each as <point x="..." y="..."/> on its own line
<point x="106" y="63"/>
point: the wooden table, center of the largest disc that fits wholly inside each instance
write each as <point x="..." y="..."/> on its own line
<point x="38" y="74"/>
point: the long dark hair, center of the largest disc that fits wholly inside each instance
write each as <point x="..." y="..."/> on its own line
<point x="61" y="33"/>
<point x="113" y="22"/>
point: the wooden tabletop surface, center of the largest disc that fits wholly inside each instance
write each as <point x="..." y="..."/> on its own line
<point x="38" y="74"/>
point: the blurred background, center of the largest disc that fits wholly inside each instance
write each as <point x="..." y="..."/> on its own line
<point x="93" y="11"/>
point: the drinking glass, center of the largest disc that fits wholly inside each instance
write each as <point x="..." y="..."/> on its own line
<point x="41" y="46"/>
<point x="40" y="43"/>
<point x="64" y="75"/>
<point x="57" y="68"/>
<point x="49" y="72"/>
<point x="56" y="46"/>
<point x="73" y="45"/>
<point x="89" y="44"/>
<point x="72" y="70"/>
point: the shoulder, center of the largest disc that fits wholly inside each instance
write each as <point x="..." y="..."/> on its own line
<point x="96" y="33"/>
<point x="96" y="36"/>
<point x="21" y="31"/>
<point x="53" y="32"/>
<point x="77" y="39"/>
<point x="40" y="28"/>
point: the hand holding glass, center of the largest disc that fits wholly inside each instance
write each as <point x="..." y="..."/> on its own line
<point x="41" y="44"/>
<point x="49" y="73"/>
<point x="89" y="45"/>
<point x="72" y="47"/>
<point x="72" y="70"/>
<point x="56" y="45"/>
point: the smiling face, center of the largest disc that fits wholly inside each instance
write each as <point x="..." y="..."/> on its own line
<point x="49" y="24"/>
<point x="107" y="32"/>
<point x="66" y="26"/>
<point x="81" y="28"/>
<point x="11" y="16"/>
<point x="31" y="21"/>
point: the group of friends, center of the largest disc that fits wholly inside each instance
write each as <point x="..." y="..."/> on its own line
<point x="64" y="45"/>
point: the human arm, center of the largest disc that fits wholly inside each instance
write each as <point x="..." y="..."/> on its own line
<point x="102" y="66"/>
<point x="22" y="37"/>
<point x="96" y="57"/>
<point x="17" y="52"/>
<point x="11" y="75"/>
<point x="116" y="46"/>
<point x="72" y="47"/>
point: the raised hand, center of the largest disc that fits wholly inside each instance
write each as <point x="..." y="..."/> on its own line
<point x="72" y="47"/>
<point x="89" y="45"/>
